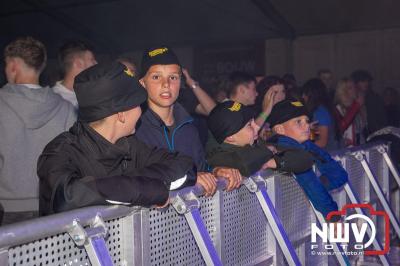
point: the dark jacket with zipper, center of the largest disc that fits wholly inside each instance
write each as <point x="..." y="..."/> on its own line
<point x="81" y="168"/>
<point x="184" y="137"/>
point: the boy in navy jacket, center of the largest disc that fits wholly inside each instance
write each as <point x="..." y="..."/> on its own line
<point x="165" y="123"/>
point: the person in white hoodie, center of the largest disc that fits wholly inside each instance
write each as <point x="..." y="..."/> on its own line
<point x="30" y="116"/>
<point x="73" y="57"/>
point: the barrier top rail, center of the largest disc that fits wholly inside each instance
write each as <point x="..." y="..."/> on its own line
<point x="31" y="230"/>
<point x="363" y="147"/>
<point x="221" y="184"/>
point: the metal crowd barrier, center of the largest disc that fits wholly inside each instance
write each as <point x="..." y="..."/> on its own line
<point x="267" y="221"/>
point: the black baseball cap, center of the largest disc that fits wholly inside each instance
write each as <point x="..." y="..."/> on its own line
<point x="228" y="118"/>
<point x="105" y="89"/>
<point x="286" y="110"/>
<point x="160" y="55"/>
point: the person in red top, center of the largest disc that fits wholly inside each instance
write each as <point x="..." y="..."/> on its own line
<point x="349" y="111"/>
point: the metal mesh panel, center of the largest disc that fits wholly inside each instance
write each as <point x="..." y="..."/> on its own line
<point x="245" y="229"/>
<point x="55" y="250"/>
<point x="114" y="241"/>
<point x="209" y="213"/>
<point x="378" y="167"/>
<point x="294" y="208"/>
<point x="171" y="241"/>
<point x="395" y="202"/>
<point x="61" y="250"/>
<point x="380" y="170"/>
<point x="357" y="177"/>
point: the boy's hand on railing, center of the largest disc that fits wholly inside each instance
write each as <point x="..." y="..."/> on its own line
<point x="208" y="182"/>
<point x="232" y="175"/>
<point x="164" y="205"/>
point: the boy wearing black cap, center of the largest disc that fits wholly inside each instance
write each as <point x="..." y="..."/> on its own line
<point x="99" y="161"/>
<point x="233" y="127"/>
<point x="289" y="120"/>
<point x="166" y="124"/>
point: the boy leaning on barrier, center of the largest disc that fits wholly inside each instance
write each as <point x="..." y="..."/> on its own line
<point x="99" y="160"/>
<point x="289" y="121"/>
<point x="233" y="127"/>
<point x="166" y="124"/>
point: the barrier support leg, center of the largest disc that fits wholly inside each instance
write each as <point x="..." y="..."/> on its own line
<point x="257" y="185"/>
<point x="340" y="256"/>
<point x="354" y="199"/>
<point x="92" y="239"/>
<point x="189" y="207"/>
<point x="389" y="163"/>
<point x="360" y="156"/>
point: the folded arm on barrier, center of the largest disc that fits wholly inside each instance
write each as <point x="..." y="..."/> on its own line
<point x="293" y="160"/>
<point x="99" y="191"/>
<point x="250" y="159"/>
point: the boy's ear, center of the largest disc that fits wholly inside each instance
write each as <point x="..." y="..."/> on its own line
<point x="13" y="65"/>
<point x="78" y="62"/>
<point x="230" y="139"/>
<point x="142" y="83"/>
<point x="279" y="129"/>
<point x="241" y="89"/>
<point x="121" y="117"/>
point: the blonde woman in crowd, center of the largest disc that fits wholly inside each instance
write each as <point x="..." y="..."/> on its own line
<point x="349" y="114"/>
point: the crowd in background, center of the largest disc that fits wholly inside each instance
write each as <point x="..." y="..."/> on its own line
<point x="341" y="115"/>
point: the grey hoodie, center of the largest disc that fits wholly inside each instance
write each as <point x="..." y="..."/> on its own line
<point x="29" y="119"/>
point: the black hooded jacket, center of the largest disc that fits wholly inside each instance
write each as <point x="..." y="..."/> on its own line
<point x="80" y="168"/>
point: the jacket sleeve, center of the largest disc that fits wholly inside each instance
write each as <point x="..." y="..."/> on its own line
<point x="248" y="160"/>
<point x="231" y="160"/>
<point x="333" y="174"/>
<point x="293" y="160"/>
<point x="162" y="165"/>
<point x="62" y="187"/>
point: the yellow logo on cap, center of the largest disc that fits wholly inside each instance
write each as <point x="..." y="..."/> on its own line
<point x="235" y="107"/>
<point x="128" y="72"/>
<point x="297" y="104"/>
<point x="157" y="51"/>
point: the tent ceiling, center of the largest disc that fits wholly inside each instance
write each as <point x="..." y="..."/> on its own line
<point x="122" y="25"/>
<point x="332" y="16"/>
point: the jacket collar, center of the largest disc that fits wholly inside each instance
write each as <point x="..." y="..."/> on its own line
<point x="101" y="149"/>
<point x="180" y="116"/>
<point x="287" y="141"/>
